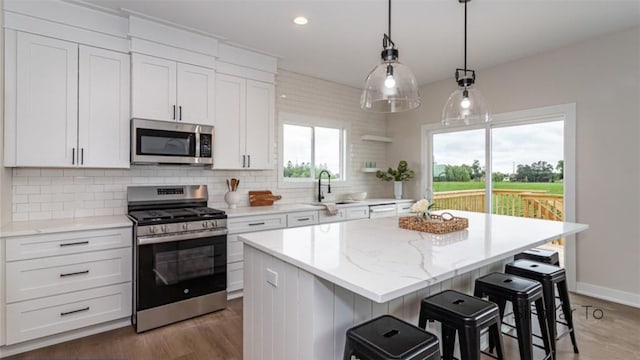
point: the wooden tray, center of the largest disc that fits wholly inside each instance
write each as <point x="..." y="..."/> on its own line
<point x="437" y="224"/>
<point x="262" y="198"/>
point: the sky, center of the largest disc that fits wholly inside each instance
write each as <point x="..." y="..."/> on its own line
<point x="522" y="144"/>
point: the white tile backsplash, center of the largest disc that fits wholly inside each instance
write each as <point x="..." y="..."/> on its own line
<point x="65" y="193"/>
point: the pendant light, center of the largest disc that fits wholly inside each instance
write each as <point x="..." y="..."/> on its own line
<point x="390" y="86"/>
<point x="466" y="106"/>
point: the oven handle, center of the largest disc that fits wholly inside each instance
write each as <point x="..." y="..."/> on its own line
<point x="146" y="240"/>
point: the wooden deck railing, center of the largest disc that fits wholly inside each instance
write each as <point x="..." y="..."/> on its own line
<point x="529" y="203"/>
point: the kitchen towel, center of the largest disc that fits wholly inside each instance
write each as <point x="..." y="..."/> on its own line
<point x="332" y="209"/>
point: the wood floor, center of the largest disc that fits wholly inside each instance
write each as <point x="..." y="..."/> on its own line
<point x="219" y="336"/>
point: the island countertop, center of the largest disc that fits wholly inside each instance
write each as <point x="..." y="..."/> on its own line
<point x="376" y="259"/>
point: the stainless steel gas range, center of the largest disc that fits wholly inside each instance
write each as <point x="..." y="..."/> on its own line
<point x="180" y="254"/>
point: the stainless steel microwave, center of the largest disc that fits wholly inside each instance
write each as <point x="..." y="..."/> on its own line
<point x="166" y="142"/>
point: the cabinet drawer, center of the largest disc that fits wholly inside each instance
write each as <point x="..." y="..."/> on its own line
<point x="404" y="208"/>
<point x="234" y="249"/>
<point x="302" y="218"/>
<point x="256" y="223"/>
<point x="29" y="279"/>
<point x="235" y="275"/>
<point x="324" y="216"/>
<point x="32" y="319"/>
<point x="37" y="246"/>
<point x="361" y="212"/>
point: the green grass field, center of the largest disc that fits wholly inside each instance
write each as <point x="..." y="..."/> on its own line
<point x="553" y="188"/>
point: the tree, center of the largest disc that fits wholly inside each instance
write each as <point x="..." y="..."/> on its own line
<point x="498" y="176"/>
<point x="476" y="171"/>
<point x="560" y="169"/>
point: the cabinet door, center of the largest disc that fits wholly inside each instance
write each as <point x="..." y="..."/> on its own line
<point x="259" y="129"/>
<point x="153" y="88"/>
<point x="47" y="101"/>
<point x="229" y="140"/>
<point x="103" y="118"/>
<point x="196" y="94"/>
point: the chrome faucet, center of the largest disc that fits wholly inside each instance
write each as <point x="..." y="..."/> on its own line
<point x="320" y="195"/>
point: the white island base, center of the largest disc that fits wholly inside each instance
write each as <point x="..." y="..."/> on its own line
<point x="304" y="287"/>
<point x="302" y="316"/>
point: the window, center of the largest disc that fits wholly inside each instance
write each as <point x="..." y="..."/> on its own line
<point x="310" y="146"/>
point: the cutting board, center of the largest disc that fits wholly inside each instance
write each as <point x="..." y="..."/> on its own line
<point x="262" y="198"/>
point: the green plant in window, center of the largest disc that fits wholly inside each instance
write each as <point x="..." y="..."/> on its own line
<point x="402" y="173"/>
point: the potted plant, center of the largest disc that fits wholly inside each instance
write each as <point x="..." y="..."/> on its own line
<point x="402" y="173"/>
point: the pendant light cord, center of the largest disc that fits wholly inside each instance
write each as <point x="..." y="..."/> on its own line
<point x="465" y="36"/>
<point x="390" y="21"/>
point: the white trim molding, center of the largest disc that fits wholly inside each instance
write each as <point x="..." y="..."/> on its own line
<point x="609" y="294"/>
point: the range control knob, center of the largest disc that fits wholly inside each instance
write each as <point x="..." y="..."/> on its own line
<point x="163" y="228"/>
<point x="214" y="224"/>
<point x="185" y="227"/>
<point x="205" y="225"/>
<point x="152" y="230"/>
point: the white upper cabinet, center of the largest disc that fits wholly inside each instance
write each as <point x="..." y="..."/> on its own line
<point x="172" y="91"/>
<point x="103" y="118"/>
<point x="244" y="123"/>
<point x="71" y="104"/>
<point x="46" y="101"/>
<point x="153" y="88"/>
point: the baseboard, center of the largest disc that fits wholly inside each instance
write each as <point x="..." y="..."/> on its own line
<point x="600" y="292"/>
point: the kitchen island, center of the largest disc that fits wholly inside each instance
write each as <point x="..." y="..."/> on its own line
<point x="304" y="287"/>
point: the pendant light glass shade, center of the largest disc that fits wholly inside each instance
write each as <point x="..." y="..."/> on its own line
<point x="466" y="106"/>
<point x="391" y="86"/>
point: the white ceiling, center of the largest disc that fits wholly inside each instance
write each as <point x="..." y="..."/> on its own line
<point x="343" y="39"/>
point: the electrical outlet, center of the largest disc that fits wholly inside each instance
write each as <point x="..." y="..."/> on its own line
<point x="272" y="277"/>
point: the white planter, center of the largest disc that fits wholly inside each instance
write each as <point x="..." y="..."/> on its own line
<point x="397" y="189"/>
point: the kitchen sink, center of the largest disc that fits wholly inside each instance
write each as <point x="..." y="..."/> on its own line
<point x="341" y="202"/>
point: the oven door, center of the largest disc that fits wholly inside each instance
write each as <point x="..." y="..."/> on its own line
<point x="179" y="267"/>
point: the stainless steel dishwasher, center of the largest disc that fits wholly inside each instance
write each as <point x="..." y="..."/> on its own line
<point x="382" y="210"/>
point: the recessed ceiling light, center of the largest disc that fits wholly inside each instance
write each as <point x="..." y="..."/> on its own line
<point x="300" y="20"/>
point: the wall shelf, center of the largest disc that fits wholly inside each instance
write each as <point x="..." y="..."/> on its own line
<point x="369" y="170"/>
<point x="376" y="138"/>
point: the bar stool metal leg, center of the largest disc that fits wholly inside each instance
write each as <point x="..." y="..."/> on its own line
<point x="566" y="309"/>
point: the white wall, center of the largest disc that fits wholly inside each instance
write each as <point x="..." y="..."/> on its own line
<point x="63" y="193"/>
<point x="602" y="76"/>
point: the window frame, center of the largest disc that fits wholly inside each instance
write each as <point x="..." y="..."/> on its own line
<point x="310" y="121"/>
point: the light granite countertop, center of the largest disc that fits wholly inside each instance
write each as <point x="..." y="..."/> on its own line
<point x="378" y="260"/>
<point x="283" y="208"/>
<point x="22" y="228"/>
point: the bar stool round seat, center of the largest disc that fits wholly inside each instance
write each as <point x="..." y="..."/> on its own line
<point x="389" y="338"/>
<point x="539" y="255"/>
<point x="465" y="314"/>
<point x="550" y="276"/>
<point x="521" y="292"/>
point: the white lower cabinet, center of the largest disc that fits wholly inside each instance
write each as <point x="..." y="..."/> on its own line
<point x="65" y="281"/>
<point x="302" y="218"/>
<point x="28" y="320"/>
<point x="359" y="212"/>
<point x="324" y="216"/>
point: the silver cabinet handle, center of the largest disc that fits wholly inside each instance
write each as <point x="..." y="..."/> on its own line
<point x="244" y="159"/>
<point x="174" y="112"/>
<point x="74" y="273"/>
<point x="74" y="311"/>
<point x="75" y="243"/>
<point x="81" y="156"/>
<point x="304" y="219"/>
<point x="249" y="161"/>
<point x="256" y="224"/>
<point x="73" y="156"/>
<point x="180" y="112"/>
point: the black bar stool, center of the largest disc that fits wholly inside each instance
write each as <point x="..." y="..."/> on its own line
<point x="521" y="292"/>
<point x="465" y="314"/>
<point x="549" y="276"/>
<point x="389" y="338"/>
<point x="539" y="255"/>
